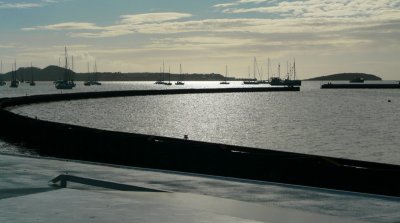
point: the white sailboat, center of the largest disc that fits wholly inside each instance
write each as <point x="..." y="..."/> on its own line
<point x="226" y="76"/>
<point x="254" y="81"/>
<point x="180" y="82"/>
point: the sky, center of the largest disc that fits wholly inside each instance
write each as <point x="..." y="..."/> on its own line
<point x="323" y="36"/>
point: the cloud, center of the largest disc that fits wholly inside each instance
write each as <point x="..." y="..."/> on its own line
<point x="19" y="5"/>
<point x="239" y="2"/>
<point x="153" y="17"/>
<point x="25" y="5"/>
<point x="321" y="8"/>
<point x="66" y="26"/>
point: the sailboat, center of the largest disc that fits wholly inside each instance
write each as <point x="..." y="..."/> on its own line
<point x="66" y="82"/>
<point x="14" y="81"/>
<point x="277" y="81"/>
<point x="161" y="81"/>
<point x="169" y="77"/>
<point x="226" y="75"/>
<point x="88" y="82"/>
<point x="2" y="82"/>
<point x="32" y="82"/>
<point x="94" y="80"/>
<point x="180" y="82"/>
<point x="254" y="81"/>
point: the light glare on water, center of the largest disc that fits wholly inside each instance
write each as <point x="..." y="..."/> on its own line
<point x="354" y="124"/>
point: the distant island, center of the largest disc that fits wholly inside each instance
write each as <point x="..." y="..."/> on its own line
<point x="346" y="77"/>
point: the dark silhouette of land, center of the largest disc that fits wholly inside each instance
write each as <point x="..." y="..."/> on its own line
<point x="346" y="77"/>
<point x="52" y="73"/>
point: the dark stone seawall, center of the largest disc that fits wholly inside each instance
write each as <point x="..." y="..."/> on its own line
<point x="360" y="86"/>
<point x="83" y="143"/>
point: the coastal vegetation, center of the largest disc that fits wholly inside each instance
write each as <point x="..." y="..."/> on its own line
<point x="346" y="77"/>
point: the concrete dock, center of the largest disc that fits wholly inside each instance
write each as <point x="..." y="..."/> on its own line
<point x="27" y="196"/>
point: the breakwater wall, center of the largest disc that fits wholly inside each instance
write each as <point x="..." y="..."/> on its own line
<point x="84" y="143"/>
<point x="359" y="86"/>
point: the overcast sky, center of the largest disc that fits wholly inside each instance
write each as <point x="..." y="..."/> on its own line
<point x="324" y="36"/>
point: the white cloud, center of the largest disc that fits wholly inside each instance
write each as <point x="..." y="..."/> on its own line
<point x="153" y="17"/>
<point x="25" y="5"/>
<point x="239" y="2"/>
<point x="66" y="26"/>
<point x="322" y="8"/>
<point x="21" y="5"/>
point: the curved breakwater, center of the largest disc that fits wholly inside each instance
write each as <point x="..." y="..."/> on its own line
<point x="83" y="143"/>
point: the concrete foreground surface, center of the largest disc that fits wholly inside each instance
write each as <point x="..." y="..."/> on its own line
<point x="26" y="196"/>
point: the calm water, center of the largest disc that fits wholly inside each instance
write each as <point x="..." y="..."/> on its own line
<point x="358" y="124"/>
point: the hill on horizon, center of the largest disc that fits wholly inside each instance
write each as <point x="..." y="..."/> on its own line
<point x="346" y="77"/>
<point x="52" y="73"/>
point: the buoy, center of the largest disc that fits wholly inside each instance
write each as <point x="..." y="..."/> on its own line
<point x="389" y="100"/>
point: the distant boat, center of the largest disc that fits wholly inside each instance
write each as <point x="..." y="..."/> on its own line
<point x="32" y="82"/>
<point x="277" y="81"/>
<point x="162" y="79"/>
<point x="14" y="82"/>
<point x="94" y="81"/>
<point x="357" y="80"/>
<point x="254" y="80"/>
<point x="66" y="82"/>
<point x="2" y="82"/>
<point x="226" y="76"/>
<point x="180" y="82"/>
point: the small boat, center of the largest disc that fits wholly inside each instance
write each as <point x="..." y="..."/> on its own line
<point x="180" y="82"/>
<point x="2" y="82"/>
<point x="94" y="80"/>
<point x="277" y="81"/>
<point x="357" y="80"/>
<point x="14" y="82"/>
<point x="159" y="82"/>
<point x="67" y="82"/>
<point x="162" y="80"/>
<point x="32" y="82"/>
<point x="65" y="85"/>
<point x="226" y="76"/>
<point x="254" y="80"/>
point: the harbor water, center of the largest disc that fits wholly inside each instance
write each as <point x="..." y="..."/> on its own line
<point x="361" y="124"/>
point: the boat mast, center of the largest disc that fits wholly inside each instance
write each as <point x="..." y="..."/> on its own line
<point x="66" y="65"/>
<point x="294" y="69"/>
<point x="268" y="68"/>
<point x="287" y="69"/>
<point x="169" y="73"/>
<point x="95" y="70"/>
<point x="163" y="71"/>
<point x="279" y="70"/>
<point x="180" y="71"/>
<point x="226" y="71"/>
<point x="254" y="71"/>
<point x="15" y="70"/>
<point x="31" y="73"/>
